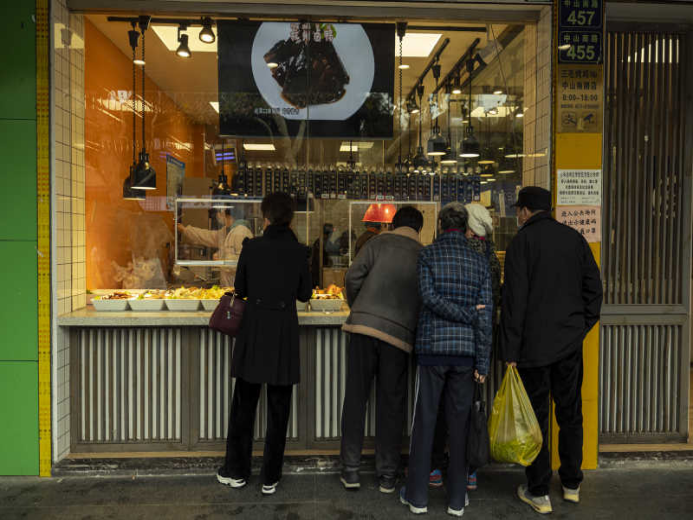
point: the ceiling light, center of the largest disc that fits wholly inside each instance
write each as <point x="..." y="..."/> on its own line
<point x="470" y="145"/>
<point x="138" y="61"/>
<point x="404" y="66"/>
<point x="355" y="146"/>
<point x="215" y="105"/>
<point x="457" y="89"/>
<point x="207" y="34"/>
<point x="437" y="145"/>
<point x="415" y="110"/>
<point x="486" y="175"/>
<point x="493" y="111"/>
<point x="520" y="114"/>
<point x="485" y="162"/>
<point x="259" y="147"/>
<point x="144" y="176"/>
<point x="128" y="192"/>
<point x="273" y="65"/>
<point x="418" y="45"/>
<point x="450" y="157"/>
<point x="497" y="91"/>
<point x="505" y="172"/>
<point x="564" y="47"/>
<point x="483" y="182"/>
<point x="183" y="50"/>
<point x="168" y="34"/>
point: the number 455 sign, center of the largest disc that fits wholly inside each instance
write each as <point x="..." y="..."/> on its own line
<point x="580" y="31"/>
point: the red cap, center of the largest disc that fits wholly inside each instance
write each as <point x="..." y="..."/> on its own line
<point x="381" y="213"/>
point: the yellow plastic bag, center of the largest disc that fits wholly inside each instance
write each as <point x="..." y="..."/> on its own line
<point x="513" y="428"/>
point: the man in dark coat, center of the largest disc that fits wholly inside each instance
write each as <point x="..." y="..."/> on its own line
<point x="382" y="293"/>
<point x="272" y="274"/>
<point x="552" y="298"/>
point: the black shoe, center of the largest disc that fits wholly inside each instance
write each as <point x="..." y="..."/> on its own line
<point x="387" y="484"/>
<point x="350" y="479"/>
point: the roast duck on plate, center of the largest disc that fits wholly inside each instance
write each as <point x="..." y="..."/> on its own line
<point x="302" y="64"/>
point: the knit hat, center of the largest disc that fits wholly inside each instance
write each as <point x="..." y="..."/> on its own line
<point x="480" y="221"/>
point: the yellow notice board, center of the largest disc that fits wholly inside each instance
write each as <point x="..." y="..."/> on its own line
<point x="578" y="115"/>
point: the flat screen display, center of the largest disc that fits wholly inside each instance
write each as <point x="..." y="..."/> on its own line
<point x="284" y="79"/>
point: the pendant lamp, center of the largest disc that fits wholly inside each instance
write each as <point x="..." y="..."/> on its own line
<point x="401" y="31"/>
<point x="419" y="159"/>
<point x="470" y="144"/>
<point x="221" y="188"/>
<point x="436" y="143"/>
<point x="128" y="192"/>
<point x="450" y="156"/>
<point x="145" y="176"/>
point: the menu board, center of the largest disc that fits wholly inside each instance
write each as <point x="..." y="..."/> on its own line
<point x="275" y="77"/>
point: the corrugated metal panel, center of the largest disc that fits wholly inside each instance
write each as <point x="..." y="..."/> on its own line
<point x="644" y="169"/>
<point x="330" y="385"/>
<point x="640" y="379"/>
<point x="129" y="385"/>
<point x="646" y="245"/>
<point x="216" y="391"/>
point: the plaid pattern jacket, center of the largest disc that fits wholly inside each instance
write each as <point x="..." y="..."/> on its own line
<point x="453" y="279"/>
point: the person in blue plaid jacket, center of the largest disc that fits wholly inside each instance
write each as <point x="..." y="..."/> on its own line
<point x="453" y="347"/>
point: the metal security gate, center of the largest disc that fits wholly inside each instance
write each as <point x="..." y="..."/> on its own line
<point x="645" y="340"/>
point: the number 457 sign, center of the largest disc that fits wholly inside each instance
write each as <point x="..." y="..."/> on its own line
<point x="580" y="31"/>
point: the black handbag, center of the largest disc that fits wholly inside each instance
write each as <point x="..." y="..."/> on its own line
<point x="478" y="443"/>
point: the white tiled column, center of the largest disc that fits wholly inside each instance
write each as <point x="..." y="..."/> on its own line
<point x="537" y="87"/>
<point x="68" y="184"/>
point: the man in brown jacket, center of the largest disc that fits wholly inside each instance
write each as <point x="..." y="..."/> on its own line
<point x="381" y="288"/>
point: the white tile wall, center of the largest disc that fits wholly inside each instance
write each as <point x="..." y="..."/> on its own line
<point x="67" y="49"/>
<point x="537" y="93"/>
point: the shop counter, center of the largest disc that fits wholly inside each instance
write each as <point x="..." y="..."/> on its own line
<point x="88" y="317"/>
<point x="161" y="381"/>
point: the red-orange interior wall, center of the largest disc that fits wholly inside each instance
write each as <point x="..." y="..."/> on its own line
<point x="117" y="230"/>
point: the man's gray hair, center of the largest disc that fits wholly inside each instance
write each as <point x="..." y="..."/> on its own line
<point x="453" y="216"/>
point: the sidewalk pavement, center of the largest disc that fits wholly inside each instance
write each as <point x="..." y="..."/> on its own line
<point x="662" y="490"/>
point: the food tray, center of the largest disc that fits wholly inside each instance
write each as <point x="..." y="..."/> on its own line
<point x="301" y="306"/>
<point x="147" y="305"/>
<point x="209" y="305"/>
<point x="325" y="305"/>
<point x="110" y="305"/>
<point x="183" y="305"/>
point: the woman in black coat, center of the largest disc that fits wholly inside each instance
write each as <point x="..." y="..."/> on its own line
<point x="272" y="274"/>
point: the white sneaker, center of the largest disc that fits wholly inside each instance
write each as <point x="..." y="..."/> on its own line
<point x="412" y="508"/>
<point x="235" y="483"/>
<point x="571" y="495"/>
<point x="459" y="512"/>
<point x="270" y="489"/>
<point x="541" y="505"/>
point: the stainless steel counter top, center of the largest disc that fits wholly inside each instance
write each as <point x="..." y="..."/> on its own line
<point x="88" y="317"/>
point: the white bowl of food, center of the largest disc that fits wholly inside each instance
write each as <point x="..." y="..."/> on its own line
<point x="148" y="302"/>
<point x="183" y="305"/>
<point x="114" y="302"/>
<point x="325" y="305"/>
<point x="209" y="305"/>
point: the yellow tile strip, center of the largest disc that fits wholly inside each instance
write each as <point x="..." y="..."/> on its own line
<point x="43" y="208"/>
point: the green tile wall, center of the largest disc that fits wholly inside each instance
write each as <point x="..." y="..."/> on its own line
<point x="19" y="448"/>
<point x="19" y="443"/>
